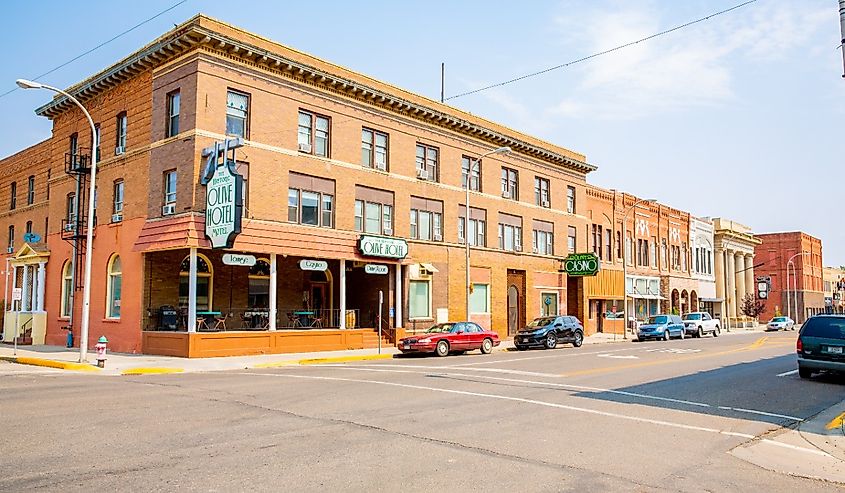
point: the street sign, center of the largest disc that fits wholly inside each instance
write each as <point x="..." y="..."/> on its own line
<point x="238" y="259"/>
<point x="17" y="294"/>
<point x="375" y="269"/>
<point x="763" y="286"/>
<point x="581" y="264"/>
<point x="318" y="265"/>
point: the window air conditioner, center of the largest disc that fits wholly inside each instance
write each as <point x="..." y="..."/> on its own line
<point x="545" y="203"/>
<point x="422" y="174"/>
<point x="388" y="231"/>
<point x="381" y="166"/>
<point x="168" y="210"/>
<point x="119" y="150"/>
<point x="69" y="227"/>
<point x="305" y="147"/>
<point x="116" y="218"/>
<point x="438" y="237"/>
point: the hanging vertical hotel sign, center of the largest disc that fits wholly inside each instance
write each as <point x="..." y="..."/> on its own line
<point x="223" y="194"/>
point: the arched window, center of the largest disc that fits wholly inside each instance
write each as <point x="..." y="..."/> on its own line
<point x="67" y="288"/>
<point x="259" y="284"/>
<point x="205" y="282"/>
<point x="115" y="279"/>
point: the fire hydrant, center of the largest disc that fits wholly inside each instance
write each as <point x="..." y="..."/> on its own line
<point x="101" y="346"/>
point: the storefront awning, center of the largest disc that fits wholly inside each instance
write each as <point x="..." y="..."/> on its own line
<point x="429" y="267"/>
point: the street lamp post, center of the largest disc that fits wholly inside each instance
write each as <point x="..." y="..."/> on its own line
<point x="795" y="293"/>
<point x="625" y="262"/>
<point x="89" y="233"/>
<point x="473" y="165"/>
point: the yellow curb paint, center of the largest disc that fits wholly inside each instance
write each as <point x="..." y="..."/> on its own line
<point x="150" y="371"/>
<point x="836" y="422"/>
<point x="275" y="364"/>
<point x="320" y="361"/>
<point x="49" y="363"/>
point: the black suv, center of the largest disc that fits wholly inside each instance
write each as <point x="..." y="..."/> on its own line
<point x="547" y="332"/>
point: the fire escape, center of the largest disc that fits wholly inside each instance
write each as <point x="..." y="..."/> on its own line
<point x="75" y="224"/>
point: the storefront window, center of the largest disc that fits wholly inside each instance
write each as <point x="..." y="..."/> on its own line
<point x="548" y="304"/>
<point x="205" y="282"/>
<point x="259" y="284"/>
<point x="419" y="299"/>
<point x="478" y="299"/>
<point x="114" y="288"/>
<point x="67" y="288"/>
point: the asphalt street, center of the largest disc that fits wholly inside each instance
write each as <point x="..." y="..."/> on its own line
<point x="656" y="416"/>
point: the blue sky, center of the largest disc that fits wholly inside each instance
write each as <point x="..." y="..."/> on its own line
<point x="741" y="116"/>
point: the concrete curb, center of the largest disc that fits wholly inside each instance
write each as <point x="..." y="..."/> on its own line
<point x="826" y="431"/>
<point x="320" y="361"/>
<point x="151" y="371"/>
<point x="49" y="363"/>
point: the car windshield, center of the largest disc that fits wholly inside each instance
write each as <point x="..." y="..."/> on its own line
<point x="692" y="316"/>
<point x="659" y="319"/>
<point x="779" y="319"/>
<point x="826" y="328"/>
<point x="439" y="328"/>
<point x="542" y="322"/>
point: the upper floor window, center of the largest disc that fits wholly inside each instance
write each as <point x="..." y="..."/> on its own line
<point x="570" y="199"/>
<point x="471" y="168"/>
<point x="684" y="253"/>
<point x="237" y="114"/>
<point x="170" y="192"/>
<point x="373" y="211"/>
<point x="120" y="140"/>
<point x="652" y="252"/>
<point x="28" y="227"/>
<point x="11" y="247"/>
<point x="597" y="240"/>
<point x="13" y="195"/>
<point x="117" y="203"/>
<point x="664" y="262"/>
<point x="73" y="144"/>
<point x="510" y="232"/>
<point x="30" y="190"/>
<point x="619" y="244"/>
<point x="173" y="100"/>
<point x="541" y="192"/>
<point x="95" y="140"/>
<point x="571" y="238"/>
<point x="426" y="219"/>
<point x="608" y="247"/>
<point x="70" y="208"/>
<point x="311" y="200"/>
<point x="642" y="252"/>
<point x="313" y="134"/>
<point x="374" y="149"/>
<point x="510" y="183"/>
<point x="428" y="163"/>
<point x="543" y="238"/>
<point x="477" y="226"/>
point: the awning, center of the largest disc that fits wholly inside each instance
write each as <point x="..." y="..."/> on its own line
<point x="429" y="267"/>
<point x="711" y="300"/>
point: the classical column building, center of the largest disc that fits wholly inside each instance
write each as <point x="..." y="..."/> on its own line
<point x="734" y="245"/>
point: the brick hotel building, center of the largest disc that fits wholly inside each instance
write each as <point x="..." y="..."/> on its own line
<point x="341" y="178"/>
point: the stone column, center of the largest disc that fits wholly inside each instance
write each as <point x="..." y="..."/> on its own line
<point x="750" y="283"/>
<point x="720" y="280"/>
<point x="739" y="258"/>
<point x="730" y="294"/>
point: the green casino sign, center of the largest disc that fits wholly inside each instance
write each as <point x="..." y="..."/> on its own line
<point x="581" y="264"/>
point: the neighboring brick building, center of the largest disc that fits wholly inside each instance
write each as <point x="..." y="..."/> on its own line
<point x="834" y="289"/>
<point x="335" y="165"/>
<point x="772" y="256"/>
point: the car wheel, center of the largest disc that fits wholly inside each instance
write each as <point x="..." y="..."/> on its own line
<point x="578" y="339"/>
<point x="442" y="348"/>
<point x="716" y="332"/>
<point x="486" y="346"/>
<point x="804" y="372"/>
<point x="666" y="335"/>
<point x="700" y="333"/>
<point x="683" y="334"/>
<point x="551" y="341"/>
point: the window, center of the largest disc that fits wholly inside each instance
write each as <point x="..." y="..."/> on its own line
<point x="664" y="263"/>
<point x="30" y="190"/>
<point x="510" y="184"/>
<point x="619" y="244"/>
<point x="570" y="238"/>
<point x="205" y="282"/>
<point x="374" y="149"/>
<point x="570" y="199"/>
<point x="543" y="237"/>
<point x="237" y="114"/>
<point x="597" y="240"/>
<point x="510" y="233"/>
<point x="419" y="299"/>
<point x="477" y="226"/>
<point x="70" y="207"/>
<point x="427" y="163"/>
<point x="13" y="195"/>
<point x="170" y="187"/>
<point x="173" y="114"/>
<point x="608" y="248"/>
<point x="426" y="219"/>
<point x="120" y="127"/>
<point x="73" y="144"/>
<point x="653" y="252"/>
<point x="468" y="163"/>
<point x="479" y="301"/>
<point x="95" y="140"/>
<point x="114" y="287"/>
<point x="629" y="247"/>
<point x="373" y="211"/>
<point x="313" y="134"/>
<point x="67" y="288"/>
<point x="642" y="252"/>
<point x="11" y="238"/>
<point x="259" y="284"/>
<point x="117" y="203"/>
<point x="548" y="304"/>
<point x="541" y="192"/>
<point x="28" y="227"/>
<point x="311" y="200"/>
<point x="684" y="252"/>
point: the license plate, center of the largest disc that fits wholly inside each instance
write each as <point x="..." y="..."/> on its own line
<point x="406" y="345"/>
<point x="834" y="350"/>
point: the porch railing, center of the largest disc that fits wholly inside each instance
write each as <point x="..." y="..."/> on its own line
<point x="258" y="319"/>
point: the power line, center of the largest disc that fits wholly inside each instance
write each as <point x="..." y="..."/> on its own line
<point x="136" y="26"/>
<point x="594" y="55"/>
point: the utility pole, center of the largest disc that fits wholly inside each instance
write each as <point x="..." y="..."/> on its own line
<point x="842" y="30"/>
<point x="443" y="70"/>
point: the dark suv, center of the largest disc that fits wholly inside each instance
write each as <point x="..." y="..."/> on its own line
<point x="821" y="345"/>
<point x="546" y="332"/>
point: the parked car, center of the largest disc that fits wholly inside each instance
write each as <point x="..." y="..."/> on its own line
<point x="451" y="337"/>
<point x="781" y="323"/>
<point x="547" y="332"/>
<point x="821" y="345"/>
<point x="661" y="327"/>
<point x="696" y="324"/>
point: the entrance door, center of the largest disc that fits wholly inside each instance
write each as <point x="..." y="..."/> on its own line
<point x="516" y="300"/>
<point x="513" y="310"/>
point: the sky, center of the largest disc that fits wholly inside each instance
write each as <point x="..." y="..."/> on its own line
<point x="741" y="116"/>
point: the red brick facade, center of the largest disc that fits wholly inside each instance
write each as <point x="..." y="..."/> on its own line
<point x="772" y="256"/>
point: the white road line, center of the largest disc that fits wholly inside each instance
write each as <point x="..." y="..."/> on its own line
<point x="561" y="385"/>
<point x="787" y="373"/>
<point x="535" y="402"/>
<point x="493" y="362"/>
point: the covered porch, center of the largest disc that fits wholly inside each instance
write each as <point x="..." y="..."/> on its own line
<point x="25" y="318"/>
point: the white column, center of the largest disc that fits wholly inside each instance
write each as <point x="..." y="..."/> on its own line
<point x="42" y="272"/>
<point x="398" y="290"/>
<point x="730" y="293"/>
<point x="739" y="258"/>
<point x="14" y="286"/>
<point x="719" y="271"/>
<point x="192" y="291"/>
<point x="750" y="283"/>
<point x="26" y="295"/>
<point x="342" y="322"/>
<point x="273" y="307"/>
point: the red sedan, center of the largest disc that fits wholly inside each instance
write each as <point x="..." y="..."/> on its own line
<point x="451" y="337"/>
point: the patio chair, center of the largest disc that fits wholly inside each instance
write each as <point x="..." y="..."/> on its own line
<point x="220" y="321"/>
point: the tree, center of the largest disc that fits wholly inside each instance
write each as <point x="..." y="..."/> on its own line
<point x="752" y="307"/>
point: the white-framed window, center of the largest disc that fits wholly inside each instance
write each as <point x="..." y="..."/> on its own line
<point x="170" y="187"/>
<point x="570" y="199"/>
<point x="510" y="237"/>
<point x="120" y="128"/>
<point x="474" y="174"/>
<point x="313" y="133"/>
<point x="205" y="282"/>
<point x="30" y="190"/>
<point x="479" y="299"/>
<point x="115" y="279"/>
<point x="477" y="231"/>
<point x="543" y="242"/>
<point x="310" y="208"/>
<point x="510" y="183"/>
<point x="428" y="162"/>
<point x="541" y="192"/>
<point x="571" y="238"/>
<point x="426" y="225"/>
<point x="67" y="289"/>
<point x="373" y="217"/>
<point x="419" y="299"/>
<point x="374" y="149"/>
<point x="237" y="114"/>
<point x="173" y="101"/>
<point x="117" y="204"/>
